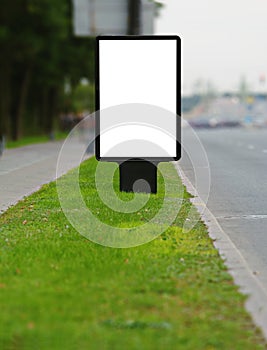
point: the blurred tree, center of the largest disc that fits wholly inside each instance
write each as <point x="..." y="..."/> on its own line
<point x="38" y="52"/>
<point x="159" y="6"/>
<point x="243" y="88"/>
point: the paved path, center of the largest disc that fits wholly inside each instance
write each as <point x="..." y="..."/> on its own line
<point x="23" y="170"/>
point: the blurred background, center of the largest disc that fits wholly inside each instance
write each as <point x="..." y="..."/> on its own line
<point x="224" y="60"/>
<point x="46" y="73"/>
<point x="47" y="60"/>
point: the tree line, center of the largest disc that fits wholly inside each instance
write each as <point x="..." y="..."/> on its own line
<point x="39" y="58"/>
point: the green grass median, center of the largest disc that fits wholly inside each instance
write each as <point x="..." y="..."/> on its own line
<point x="59" y="290"/>
<point x="31" y="140"/>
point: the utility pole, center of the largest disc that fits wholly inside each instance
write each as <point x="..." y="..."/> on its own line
<point x="134" y="17"/>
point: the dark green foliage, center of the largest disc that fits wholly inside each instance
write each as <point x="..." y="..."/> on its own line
<point x="38" y="54"/>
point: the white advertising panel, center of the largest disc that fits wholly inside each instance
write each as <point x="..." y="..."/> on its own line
<point x="138" y="97"/>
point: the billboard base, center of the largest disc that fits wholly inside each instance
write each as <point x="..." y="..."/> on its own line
<point x="138" y="176"/>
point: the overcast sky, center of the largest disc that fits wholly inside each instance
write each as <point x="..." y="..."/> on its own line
<point x="222" y="40"/>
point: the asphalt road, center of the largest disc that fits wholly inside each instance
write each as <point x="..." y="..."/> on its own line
<point x="238" y="193"/>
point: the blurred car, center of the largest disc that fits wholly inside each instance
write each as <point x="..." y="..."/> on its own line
<point x="213" y="123"/>
<point x="229" y="124"/>
<point x="197" y="123"/>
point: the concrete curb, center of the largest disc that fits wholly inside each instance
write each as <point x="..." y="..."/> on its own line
<point x="256" y="303"/>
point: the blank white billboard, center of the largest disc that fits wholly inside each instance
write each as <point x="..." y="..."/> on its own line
<point x="140" y="75"/>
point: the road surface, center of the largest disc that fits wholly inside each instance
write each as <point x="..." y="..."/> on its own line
<point x="238" y="194"/>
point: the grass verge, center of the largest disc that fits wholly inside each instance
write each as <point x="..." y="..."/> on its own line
<point x="25" y="141"/>
<point x="58" y="290"/>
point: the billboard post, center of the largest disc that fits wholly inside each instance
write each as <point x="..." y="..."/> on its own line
<point x="134" y="17"/>
<point x="138" y="176"/>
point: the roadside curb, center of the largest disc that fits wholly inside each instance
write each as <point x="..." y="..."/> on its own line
<point x="256" y="303"/>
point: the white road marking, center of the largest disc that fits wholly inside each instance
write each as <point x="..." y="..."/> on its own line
<point x="11" y="167"/>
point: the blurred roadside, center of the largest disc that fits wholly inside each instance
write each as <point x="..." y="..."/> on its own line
<point x="226" y="111"/>
<point x="46" y="73"/>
